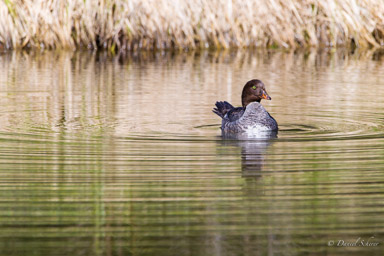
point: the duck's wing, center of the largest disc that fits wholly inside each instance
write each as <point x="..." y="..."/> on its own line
<point x="273" y="121"/>
<point x="235" y="114"/>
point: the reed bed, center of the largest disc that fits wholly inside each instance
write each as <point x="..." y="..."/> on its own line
<point x="186" y="24"/>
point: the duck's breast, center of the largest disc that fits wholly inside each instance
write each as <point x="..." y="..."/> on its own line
<point x="255" y="120"/>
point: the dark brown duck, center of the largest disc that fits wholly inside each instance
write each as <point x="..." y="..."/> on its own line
<point x="252" y="117"/>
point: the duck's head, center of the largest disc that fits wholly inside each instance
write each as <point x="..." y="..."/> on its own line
<point x="253" y="90"/>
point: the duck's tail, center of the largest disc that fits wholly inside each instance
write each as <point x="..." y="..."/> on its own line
<point x="222" y="108"/>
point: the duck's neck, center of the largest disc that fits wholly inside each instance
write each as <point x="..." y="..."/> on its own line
<point x="245" y="100"/>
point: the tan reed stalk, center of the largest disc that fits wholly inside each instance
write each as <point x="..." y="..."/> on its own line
<point x="186" y="24"/>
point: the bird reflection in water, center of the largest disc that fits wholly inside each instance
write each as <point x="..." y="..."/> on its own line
<point x="253" y="151"/>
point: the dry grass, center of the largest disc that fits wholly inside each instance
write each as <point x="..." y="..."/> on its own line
<point x="148" y="24"/>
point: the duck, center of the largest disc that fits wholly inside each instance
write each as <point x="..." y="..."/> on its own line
<point x="252" y="117"/>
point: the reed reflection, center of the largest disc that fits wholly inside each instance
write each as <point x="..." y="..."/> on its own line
<point x="111" y="153"/>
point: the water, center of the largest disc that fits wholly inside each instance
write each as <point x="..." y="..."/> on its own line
<point x="121" y="155"/>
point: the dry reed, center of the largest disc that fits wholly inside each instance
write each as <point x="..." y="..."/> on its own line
<point x="149" y="24"/>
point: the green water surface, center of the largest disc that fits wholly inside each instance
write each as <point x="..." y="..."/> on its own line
<point x="121" y="155"/>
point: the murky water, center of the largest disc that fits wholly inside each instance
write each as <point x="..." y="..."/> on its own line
<point x="122" y="155"/>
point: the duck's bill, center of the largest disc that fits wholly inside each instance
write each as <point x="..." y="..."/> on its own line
<point x="266" y="96"/>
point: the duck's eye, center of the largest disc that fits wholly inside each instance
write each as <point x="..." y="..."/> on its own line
<point x="254" y="87"/>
